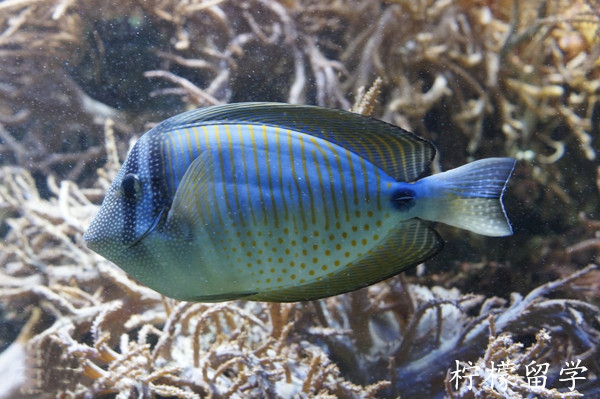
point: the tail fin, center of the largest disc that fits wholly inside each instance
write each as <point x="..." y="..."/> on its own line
<point x="470" y="197"/>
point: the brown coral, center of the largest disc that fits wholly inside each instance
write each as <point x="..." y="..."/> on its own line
<point x="80" y="81"/>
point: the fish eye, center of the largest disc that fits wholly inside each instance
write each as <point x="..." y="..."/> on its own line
<point x="131" y="186"/>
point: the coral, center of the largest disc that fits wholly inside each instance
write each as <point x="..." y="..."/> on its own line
<point x="102" y="333"/>
<point x="414" y="336"/>
<point x="476" y="78"/>
<point x="80" y="81"/>
<point x="477" y="61"/>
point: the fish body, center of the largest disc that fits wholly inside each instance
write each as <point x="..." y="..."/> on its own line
<point x="278" y="202"/>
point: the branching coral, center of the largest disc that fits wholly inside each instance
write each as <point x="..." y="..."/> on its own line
<point x="479" y="79"/>
<point x="102" y="333"/>
<point x="79" y="81"/>
<point x="533" y="66"/>
<point x="414" y="337"/>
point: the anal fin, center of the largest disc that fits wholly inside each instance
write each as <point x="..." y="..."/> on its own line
<point x="231" y="296"/>
<point x="409" y="244"/>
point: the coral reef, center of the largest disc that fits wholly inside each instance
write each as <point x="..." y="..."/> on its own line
<point x="533" y="66"/>
<point x="80" y="80"/>
<point x="101" y="333"/>
<point x="521" y="78"/>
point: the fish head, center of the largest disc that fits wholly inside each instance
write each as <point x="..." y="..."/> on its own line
<point x="133" y="208"/>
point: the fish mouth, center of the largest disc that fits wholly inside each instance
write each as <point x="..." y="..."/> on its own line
<point x="93" y="245"/>
<point x="86" y="237"/>
<point x="91" y="237"/>
<point x="158" y="222"/>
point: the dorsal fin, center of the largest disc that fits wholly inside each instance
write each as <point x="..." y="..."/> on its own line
<point x="409" y="244"/>
<point x="396" y="151"/>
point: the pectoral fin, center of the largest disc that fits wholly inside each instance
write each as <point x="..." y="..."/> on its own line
<point x="190" y="204"/>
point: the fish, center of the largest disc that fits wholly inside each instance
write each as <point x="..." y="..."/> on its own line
<point x="278" y="202"/>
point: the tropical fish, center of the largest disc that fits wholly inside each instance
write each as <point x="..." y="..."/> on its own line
<point x="280" y="202"/>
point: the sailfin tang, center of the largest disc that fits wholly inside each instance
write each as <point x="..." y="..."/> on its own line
<point x="409" y="244"/>
<point x="470" y="197"/>
<point x="396" y="151"/>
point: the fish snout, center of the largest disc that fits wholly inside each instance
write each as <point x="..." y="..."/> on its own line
<point x="92" y="240"/>
<point x="97" y="236"/>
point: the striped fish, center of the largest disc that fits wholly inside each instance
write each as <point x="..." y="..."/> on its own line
<point x="279" y="202"/>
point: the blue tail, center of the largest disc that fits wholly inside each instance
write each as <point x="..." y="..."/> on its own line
<point x="469" y="197"/>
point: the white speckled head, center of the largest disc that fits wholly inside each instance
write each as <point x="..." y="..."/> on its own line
<point x="132" y="206"/>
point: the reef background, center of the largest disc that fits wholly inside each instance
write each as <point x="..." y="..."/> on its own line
<point x="80" y="81"/>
